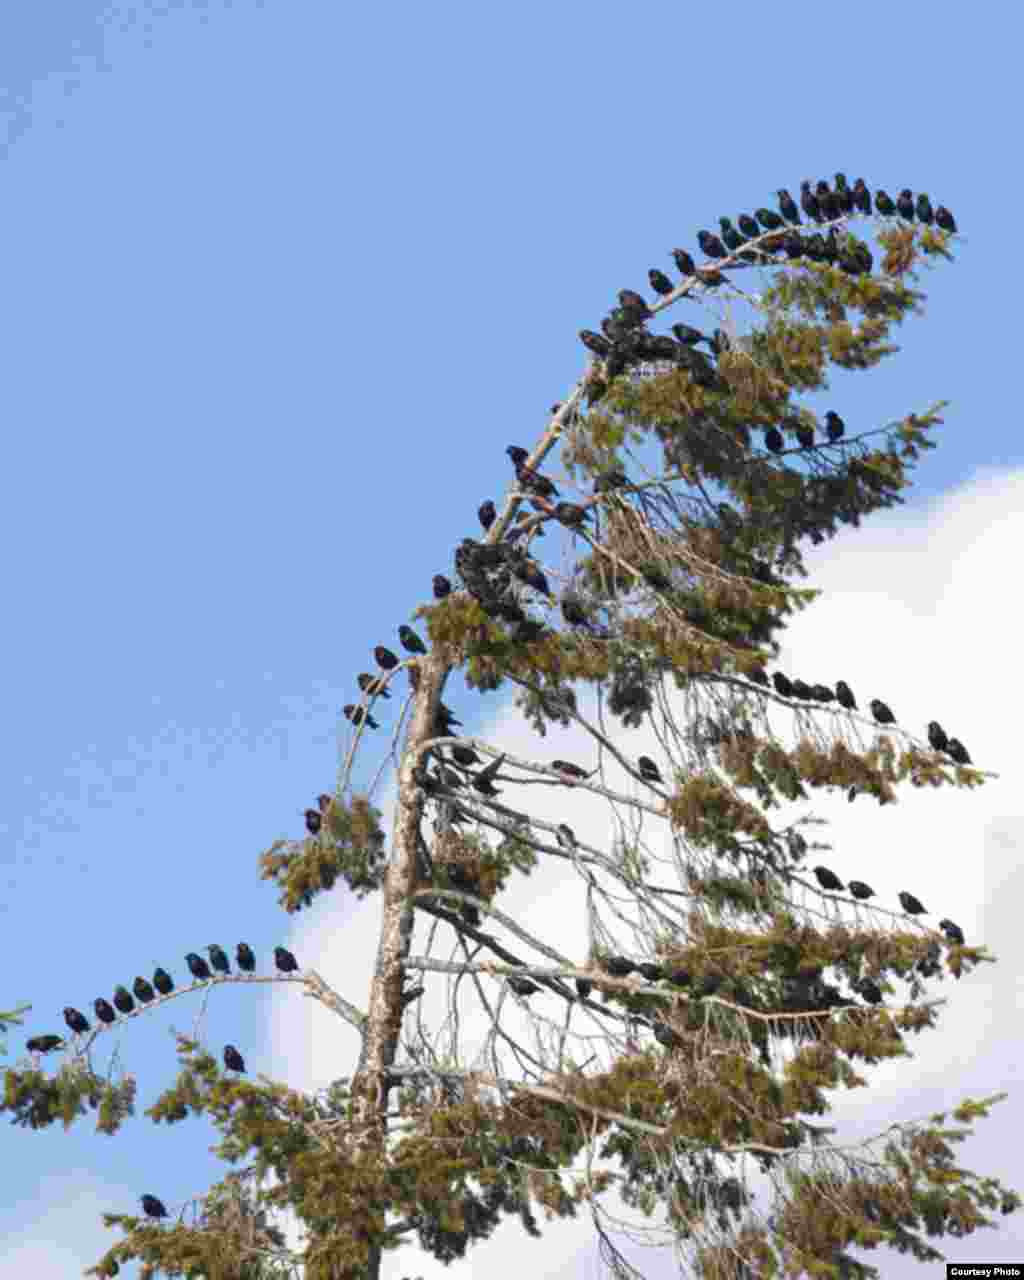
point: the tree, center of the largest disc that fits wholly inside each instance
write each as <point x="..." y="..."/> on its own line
<point x="723" y="1002"/>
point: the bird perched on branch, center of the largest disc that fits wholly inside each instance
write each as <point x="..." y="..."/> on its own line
<point x="711" y="245"/>
<point x="103" y="1010"/>
<point x="152" y="1207"/>
<point x="571" y="770"/>
<point x="143" y="991"/>
<point x="410" y="640"/>
<point x="860" y="890"/>
<point x="233" y="1059"/>
<point x="285" y="961"/>
<point x="584" y="987"/>
<point x="75" y="1020"/>
<point x="163" y="982"/>
<point x="198" y="967"/>
<point x="244" y="957"/>
<point x="385" y="658"/>
<point x="958" y="751"/>
<point x="123" y="1000"/>
<point x="372" y="685"/>
<point x="648" y="770"/>
<point x="782" y="684"/>
<point x="314" y="820"/>
<point x="684" y="263"/>
<point x="660" y="282"/>
<point x="834" y="426"/>
<point x="881" y="712"/>
<point x="484" y="780"/>
<point x="357" y="715"/>
<point x="937" y="736"/>
<point x="844" y="696"/>
<point x="828" y="879"/>
<point x="905" y="204"/>
<point x="911" y="905"/>
<point x="565" y="837"/>
<point x="44" y="1044"/>
<point x="952" y="931"/>
<point x="884" y="204"/>
<point x="522" y="986"/>
<point x="218" y="956"/>
<point x="533" y="482"/>
<point x="442" y="587"/>
<point x="945" y="219"/>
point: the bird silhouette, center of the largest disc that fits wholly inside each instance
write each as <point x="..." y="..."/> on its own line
<point x="660" y="282"/>
<point x="911" y="905"/>
<point x="372" y="685"/>
<point x="522" y="986"/>
<point x="584" y="987"/>
<point x="884" y="204"/>
<point x="198" y="967"/>
<point x="44" y="1044"/>
<point x="442" y="587"/>
<point x="285" y="961"/>
<point x="357" y="715"/>
<point x="314" y="820"/>
<point x="152" y="1207"/>
<point x="163" y="982"/>
<point x="844" y="696"/>
<point x="958" y="751"/>
<point x="75" y="1020"/>
<point x="385" y="658"/>
<point x="952" y="931"/>
<point x="123" y="1000"/>
<point x="103" y="1010"/>
<point x="860" y="890"/>
<point x="143" y="991"/>
<point x="937" y="736"/>
<point x="233" y="1059"/>
<point x="834" y="426"/>
<point x="828" y="879"/>
<point x="571" y="770"/>
<point x="782" y="684"/>
<point x="218" y="956"/>
<point x="881" y="712"/>
<point x="617" y="966"/>
<point x="410" y="640"/>
<point x="945" y="219"/>
<point x="684" y="263"/>
<point x="244" y="957"/>
<point x="648" y="770"/>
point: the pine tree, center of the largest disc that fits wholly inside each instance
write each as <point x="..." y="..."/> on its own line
<point x="744" y="992"/>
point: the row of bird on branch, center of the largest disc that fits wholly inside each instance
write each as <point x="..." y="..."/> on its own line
<point x="164" y="985"/>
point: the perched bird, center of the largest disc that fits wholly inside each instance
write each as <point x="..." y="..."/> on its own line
<point x="958" y="751"/>
<point x="801" y="689"/>
<point x="123" y="1000"/>
<point x="822" y="693"/>
<point x="44" y="1044"/>
<point x="869" y="989"/>
<point x="883" y="204"/>
<point x="860" y="890"/>
<point x="372" y="685"/>
<point x="937" y="736"/>
<point x="410" y="640"/>
<point x="75" y="1020"/>
<point x="518" y="454"/>
<point x="324" y="802"/>
<point x="571" y="770"/>
<point x="565" y="836"/>
<point x="163" y="982"/>
<point x="244" y="957"/>
<point x="844" y="196"/>
<point x="218" y="958"/>
<point x="584" y="987"/>
<point x="828" y="879"/>
<point x="683" y="262"/>
<point x="945" y="219"/>
<point x="749" y="227"/>
<point x="731" y="238"/>
<point x="442" y="587"/>
<point x="782" y="684"/>
<point x="522" y="986"/>
<point x="285" y="961"/>
<point x="827" y="201"/>
<point x="758" y="675"/>
<point x="711" y="245"/>
<point x="769" y="220"/>
<point x="484" y="780"/>
<point x="531" y="575"/>
<point x="487" y="514"/>
<point x="687" y="335"/>
<point x="571" y="515"/>
<point x="804" y="434"/>
<point x="788" y="207"/>
<point x="617" y="966"/>
<point x="143" y="991"/>
<point x="314" y="820"/>
<point x="103" y="1010"/>
<point x="357" y="715"/>
<point x="924" y="209"/>
<point x="385" y="658"/>
<point x="594" y="343"/>
<point x="881" y="712"/>
<point x="198" y="967"/>
<point x="652" y="972"/>
<point x="910" y="904"/>
<point x="809" y="202"/>
<point x="465" y="756"/>
<point x="152" y="1207"/>
<point x="905" y="204"/>
<point x="629" y="300"/>
<point x="648" y="770"/>
<point x="834" y="426"/>
<point x="233" y="1059"/>
<point x="861" y="197"/>
<point x="660" y="282"/>
<point x="773" y="440"/>
<point x="952" y="931"/>
<point x="844" y="696"/>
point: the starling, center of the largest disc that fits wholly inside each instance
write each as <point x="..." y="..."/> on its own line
<point x="660" y="282"/>
<point x="945" y="219"/>
<point x="523" y="986"/>
<point x="952" y="931"/>
<point x="782" y="684"/>
<point x="652" y="972"/>
<point x="571" y="515"/>
<point x="123" y="1000"/>
<point x="749" y="227"/>
<point x="410" y="640"/>
<point x="285" y="961"/>
<point x="905" y="204"/>
<point x="861" y="197"/>
<point x="958" y="751"/>
<point x="883" y="204"/>
<point x="910" y="904"/>
<point x="218" y="957"/>
<point x="869" y="989"/>
<point x="731" y="238"/>
<point x="163" y="982"/>
<point x="528" y="573"/>
<point x="617" y="966"/>
<point x="648" y="770"/>
<point x="768" y="219"/>
<point x="937" y="736"/>
<point x="881" y="712"/>
<point x="75" y="1020"/>
<point x="143" y="991"/>
<point x="233" y="1059"/>
<point x="197" y="966"/>
<point x="442" y="587"/>
<point x="385" y="658"/>
<point x="924" y="209"/>
<point x="487" y="513"/>
<point x="794" y="246"/>
<point x="758" y="676"/>
<point x="814" y="247"/>
<point x="489" y="773"/>
<point x="465" y="756"/>
<point x="566" y="837"/>
<point x="571" y="770"/>
<point x="827" y="201"/>
<point x="609" y="480"/>
<point x="594" y="343"/>
<point x="844" y="195"/>
<point x="801" y="689"/>
<point x="822" y="693"/>
<point x="103" y="1010"/>
<point x="629" y="300"/>
<point x="804" y="434"/>
<point x="153" y="1207"/>
<point x="518" y="454"/>
<point x="533" y="482"/>
<point x="808" y="202"/>
<point x="584" y="987"/>
<point x="683" y="262"/>
<point x="44" y="1044"/>
<point x="687" y="335"/>
<point x="860" y="890"/>
<point x="788" y="208"/>
<point x="828" y="879"/>
<point x="711" y="245"/>
<point x="314" y="820"/>
<point x="844" y="696"/>
<point x="710" y="278"/>
<point x="358" y="714"/>
<point x="834" y="426"/>
<point x="244" y="957"/>
<point x="374" y="686"/>
<point x="773" y="440"/>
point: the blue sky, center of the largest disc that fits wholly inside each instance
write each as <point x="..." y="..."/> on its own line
<point x="280" y="281"/>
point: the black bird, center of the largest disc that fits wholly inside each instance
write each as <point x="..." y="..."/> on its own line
<point x="484" y="780"/>
<point x="218" y="957"/>
<point x="843" y="194"/>
<point x="794" y="246"/>
<point x="285" y="961"/>
<point x="163" y="982"/>
<point x="565" y="836"/>
<point x="533" y="482"/>
<point x="801" y="689"/>
<point x="442" y="587"/>
<point x="911" y="905"/>
<point x="44" y="1044"/>
<point x="749" y="227"/>
<point x="314" y="820"/>
<point x="123" y="1000"/>
<point x="861" y="197"/>
<point x="788" y="208"/>
<point x="905" y="204"/>
<point x="952" y="931"/>
<point x="519" y="454"/>
<point x="522" y="986"/>
<point x="769" y="220"/>
<point x="924" y="209"/>
<point x="198" y="967"/>
<point x="648" y="770"/>
<point x="958" y="751"/>
<point x="881" y="712"/>
<point x="758" y="675"/>
<point x="828" y="879"/>
<point x="711" y="245"/>
<point x="711" y="278"/>
<point x="233" y="1059"/>
<point x="630" y="300"/>
<point x="808" y="201"/>
<point x="822" y="693"/>
<point x="860" y="890"/>
<point x="487" y="513"/>
<point x="410" y="640"/>
<point x="152" y="1207"/>
<point x="617" y="966"/>
<point x="385" y="658"/>
<point x="937" y="736"/>
<point x="594" y="343"/>
<point x="532" y="576"/>
<point x="844" y="696"/>
<point x="103" y="1010"/>
<point x="465" y="756"/>
<point x="660" y="282"/>
<point x="687" y="335"/>
<point x="683" y="262"/>
<point x="584" y="987"/>
<point x="804" y="434"/>
<point x="884" y="204"/>
<point x="731" y="238"/>
<point x="869" y="989"/>
<point x="75" y="1020"/>
<point x="357" y="715"/>
<point x="373" y="685"/>
<point x="571" y="515"/>
<point x="324" y="802"/>
<point x="652" y="972"/>
<point x="773" y="440"/>
<point x="782" y="684"/>
<point x="143" y="991"/>
<point x="827" y="201"/>
<point x="244" y="957"/>
<point x="571" y="770"/>
<point x="945" y="219"/>
<point x="834" y="426"/>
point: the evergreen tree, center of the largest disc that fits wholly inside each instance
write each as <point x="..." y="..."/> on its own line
<point x="713" y="1016"/>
